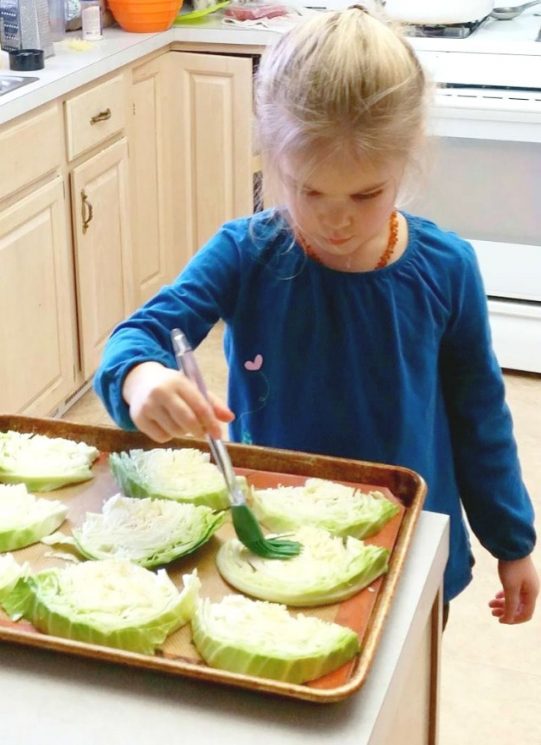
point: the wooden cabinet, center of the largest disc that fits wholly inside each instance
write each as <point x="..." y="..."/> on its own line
<point x="213" y="150"/>
<point x="36" y="303"/>
<point x="102" y="239"/>
<point x="157" y="258"/>
<point x="37" y="328"/>
<point x="97" y="150"/>
<point x="191" y="159"/>
<point x="102" y="206"/>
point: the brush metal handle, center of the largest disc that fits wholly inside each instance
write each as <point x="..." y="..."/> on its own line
<point x="186" y="362"/>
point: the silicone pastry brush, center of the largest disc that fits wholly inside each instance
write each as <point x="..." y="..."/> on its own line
<point x="244" y="521"/>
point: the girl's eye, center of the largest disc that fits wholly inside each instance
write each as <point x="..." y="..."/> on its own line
<point x="311" y="194"/>
<point x="370" y="195"/>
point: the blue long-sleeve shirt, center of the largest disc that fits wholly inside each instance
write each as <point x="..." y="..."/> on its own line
<point x="393" y="365"/>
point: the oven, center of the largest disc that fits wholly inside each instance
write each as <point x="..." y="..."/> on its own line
<point x="483" y="181"/>
<point x="484" y="178"/>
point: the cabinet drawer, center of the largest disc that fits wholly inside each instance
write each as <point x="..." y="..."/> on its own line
<point x="95" y="115"/>
<point x="29" y="148"/>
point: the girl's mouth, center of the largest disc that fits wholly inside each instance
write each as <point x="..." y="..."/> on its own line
<point x="337" y="241"/>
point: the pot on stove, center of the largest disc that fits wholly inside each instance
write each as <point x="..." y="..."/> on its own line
<point x="438" y="12"/>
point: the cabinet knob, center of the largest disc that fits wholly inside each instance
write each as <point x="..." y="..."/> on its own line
<point x="101" y="117"/>
<point x="87" y="211"/>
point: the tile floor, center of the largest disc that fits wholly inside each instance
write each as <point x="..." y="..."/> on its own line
<point x="491" y="674"/>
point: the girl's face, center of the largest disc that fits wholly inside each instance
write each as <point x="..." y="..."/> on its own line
<point x="343" y="208"/>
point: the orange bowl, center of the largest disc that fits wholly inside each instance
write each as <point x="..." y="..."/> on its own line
<point x="145" y="16"/>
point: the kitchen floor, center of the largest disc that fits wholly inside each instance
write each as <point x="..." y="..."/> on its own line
<point x="491" y="673"/>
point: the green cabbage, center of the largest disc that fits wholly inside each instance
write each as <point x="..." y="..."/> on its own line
<point x="147" y="531"/>
<point x="44" y="463"/>
<point x="342" y="510"/>
<point x="263" y="639"/>
<point x="327" y="570"/>
<point x="112" y="602"/>
<point x="10" y="572"/>
<point x="184" y="475"/>
<point x="24" y="519"/>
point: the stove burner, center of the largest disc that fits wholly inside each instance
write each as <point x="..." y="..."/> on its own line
<point x="447" y="31"/>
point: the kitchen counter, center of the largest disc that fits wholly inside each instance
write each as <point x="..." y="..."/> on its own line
<point x="69" y="69"/>
<point x="502" y="53"/>
<point x="48" y="699"/>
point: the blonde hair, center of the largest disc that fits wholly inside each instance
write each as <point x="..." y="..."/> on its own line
<point x="338" y="80"/>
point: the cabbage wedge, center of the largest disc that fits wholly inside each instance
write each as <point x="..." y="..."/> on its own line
<point x="10" y="572"/>
<point x="328" y="569"/>
<point x="184" y="475"/>
<point x="262" y="639"/>
<point x="44" y="463"/>
<point x="148" y="532"/>
<point x="342" y="510"/>
<point x="114" y="603"/>
<point x="24" y="519"/>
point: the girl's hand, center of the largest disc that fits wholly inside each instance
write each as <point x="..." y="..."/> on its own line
<point x="516" y="602"/>
<point x="164" y="404"/>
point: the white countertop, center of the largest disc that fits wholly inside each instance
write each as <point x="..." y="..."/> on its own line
<point x="69" y="69"/>
<point x="52" y="699"/>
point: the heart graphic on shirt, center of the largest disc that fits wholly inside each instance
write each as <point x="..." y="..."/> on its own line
<point x="255" y="364"/>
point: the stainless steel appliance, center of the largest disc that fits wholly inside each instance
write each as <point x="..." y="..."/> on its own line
<point x="485" y="180"/>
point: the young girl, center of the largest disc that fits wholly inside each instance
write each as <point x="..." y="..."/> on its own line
<point x="353" y="329"/>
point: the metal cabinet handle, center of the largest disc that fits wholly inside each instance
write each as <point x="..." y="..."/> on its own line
<point x="87" y="211"/>
<point x="101" y="117"/>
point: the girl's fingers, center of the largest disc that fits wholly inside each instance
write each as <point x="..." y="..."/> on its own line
<point x="168" y="418"/>
<point x="188" y="410"/>
<point x="526" y="608"/>
<point x="153" y="430"/>
<point x="497" y="610"/>
<point x="221" y="410"/>
<point x="179" y="419"/>
<point x="511" y="610"/>
<point x="498" y="600"/>
<point x="165" y="404"/>
<point x="202" y="409"/>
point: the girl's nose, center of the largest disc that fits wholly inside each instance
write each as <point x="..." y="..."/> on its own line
<point x="335" y="216"/>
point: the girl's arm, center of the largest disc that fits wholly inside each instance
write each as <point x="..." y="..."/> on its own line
<point x="495" y="499"/>
<point x="138" y="380"/>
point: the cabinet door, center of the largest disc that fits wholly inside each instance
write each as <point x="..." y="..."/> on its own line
<point x="214" y="146"/>
<point x="102" y="248"/>
<point x="155" y="261"/>
<point x="37" y="332"/>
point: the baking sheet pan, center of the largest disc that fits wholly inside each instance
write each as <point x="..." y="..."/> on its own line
<point x="365" y="613"/>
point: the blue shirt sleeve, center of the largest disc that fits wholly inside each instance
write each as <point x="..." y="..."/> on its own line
<point x="202" y="294"/>
<point x="495" y="499"/>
